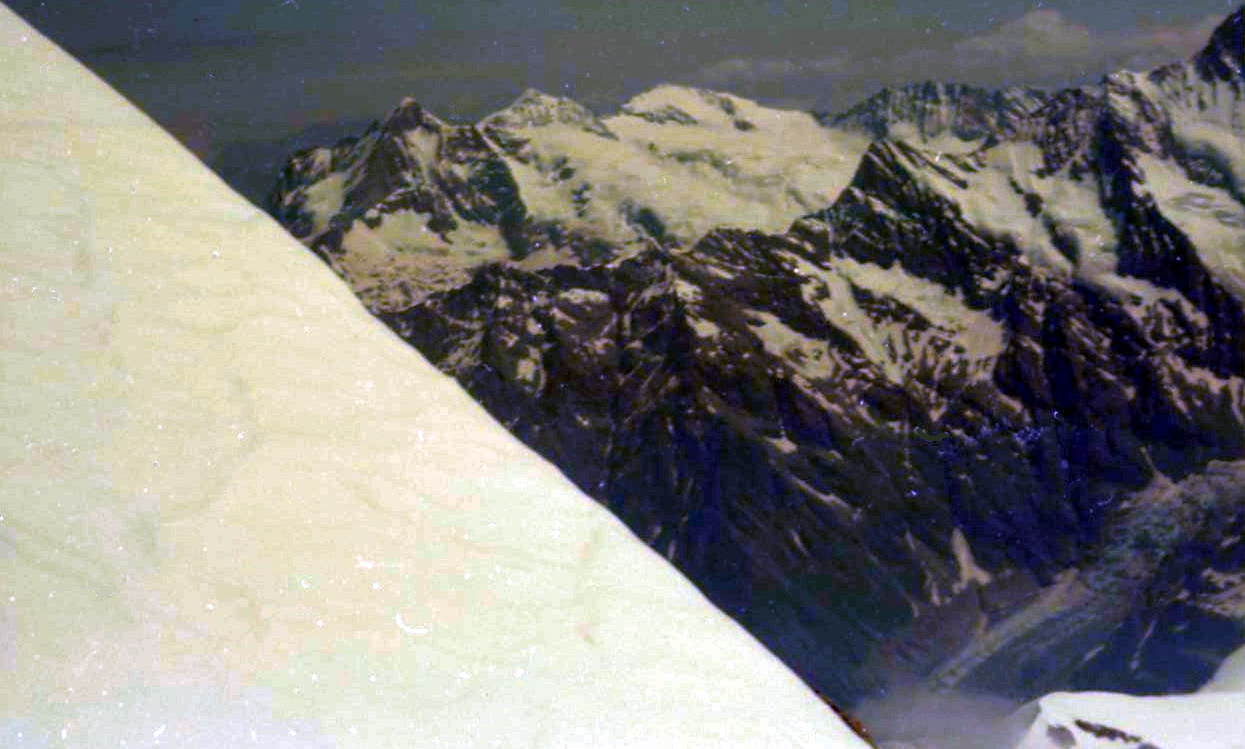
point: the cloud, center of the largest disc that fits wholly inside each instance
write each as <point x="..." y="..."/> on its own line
<point x="1041" y="48"/>
<point x="737" y="68"/>
<point x="1042" y="34"/>
<point x="912" y="717"/>
<point x="1160" y="44"/>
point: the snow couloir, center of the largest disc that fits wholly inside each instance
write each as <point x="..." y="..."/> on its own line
<point x="235" y="510"/>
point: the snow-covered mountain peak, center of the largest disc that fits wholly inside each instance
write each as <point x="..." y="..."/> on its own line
<point x="535" y="108"/>
<point x="686" y="105"/>
<point x="532" y="94"/>
<point x="669" y="95"/>
<point x="411" y="115"/>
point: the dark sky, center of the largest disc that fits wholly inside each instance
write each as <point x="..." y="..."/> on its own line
<point x="222" y="71"/>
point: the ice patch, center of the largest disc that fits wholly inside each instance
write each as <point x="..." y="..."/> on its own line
<point x="970" y="572"/>
<point x="809" y="356"/>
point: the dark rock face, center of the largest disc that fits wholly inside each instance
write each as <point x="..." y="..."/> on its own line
<point x="931" y="109"/>
<point x="1173" y="642"/>
<point x="1057" y="309"/>
<point x="459" y="177"/>
<point x="1221" y="59"/>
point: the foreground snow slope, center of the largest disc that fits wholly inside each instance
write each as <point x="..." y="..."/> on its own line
<point x="208" y="544"/>
<point x="1213" y="718"/>
<point x="1099" y="720"/>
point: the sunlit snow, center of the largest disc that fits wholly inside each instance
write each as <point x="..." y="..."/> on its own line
<point x="238" y="511"/>
<point x="758" y="168"/>
<point x="1098" y="720"/>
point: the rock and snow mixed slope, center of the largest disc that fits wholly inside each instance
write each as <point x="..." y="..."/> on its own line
<point x="949" y="117"/>
<point x="545" y="181"/>
<point x="919" y="410"/>
<point x="235" y="510"/>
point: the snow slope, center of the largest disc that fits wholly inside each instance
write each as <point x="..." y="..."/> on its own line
<point x="236" y="510"/>
<point x="1100" y="720"/>
<point x="1231" y="675"/>
<point x="1213" y="718"/>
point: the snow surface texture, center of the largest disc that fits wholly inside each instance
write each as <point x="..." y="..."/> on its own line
<point x="1099" y="720"/>
<point x="698" y="158"/>
<point x="1213" y="718"/>
<point x="236" y="510"/>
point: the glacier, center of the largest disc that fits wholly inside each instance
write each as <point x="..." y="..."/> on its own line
<point x="235" y="510"/>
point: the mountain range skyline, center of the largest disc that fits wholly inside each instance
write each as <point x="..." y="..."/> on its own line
<point x="942" y="392"/>
<point x="227" y="75"/>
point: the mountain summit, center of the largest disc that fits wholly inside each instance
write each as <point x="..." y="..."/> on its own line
<point x="950" y="117"/>
<point x="535" y="109"/>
